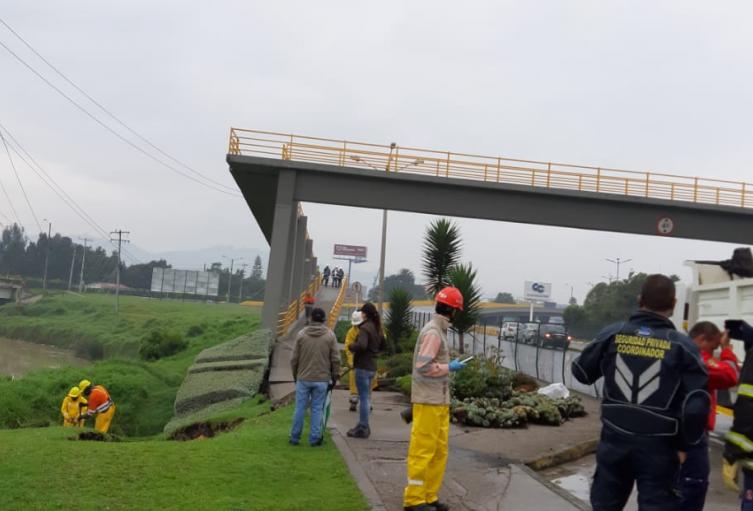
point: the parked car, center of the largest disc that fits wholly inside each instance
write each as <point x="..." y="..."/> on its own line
<point x="554" y="336"/>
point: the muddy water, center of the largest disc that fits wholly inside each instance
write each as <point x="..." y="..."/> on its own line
<point x="18" y="357"/>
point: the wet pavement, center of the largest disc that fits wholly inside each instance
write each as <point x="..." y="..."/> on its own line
<point x="575" y="477"/>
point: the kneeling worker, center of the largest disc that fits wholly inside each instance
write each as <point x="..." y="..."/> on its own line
<point x="99" y="403"/>
<point x="71" y="408"/>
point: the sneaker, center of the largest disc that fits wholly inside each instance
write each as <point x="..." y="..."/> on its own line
<point x="360" y="432"/>
<point x="318" y="443"/>
<point x="439" y="506"/>
<point x="293" y="442"/>
<point x="353" y="404"/>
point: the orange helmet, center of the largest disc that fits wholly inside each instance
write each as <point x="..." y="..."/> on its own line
<point x="451" y="296"/>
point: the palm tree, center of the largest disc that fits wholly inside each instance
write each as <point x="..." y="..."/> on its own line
<point x="398" y="318"/>
<point x="441" y="252"/>
<point x="463" y="277"/>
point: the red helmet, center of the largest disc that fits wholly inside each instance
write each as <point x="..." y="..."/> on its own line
<point x="451" y="296"/>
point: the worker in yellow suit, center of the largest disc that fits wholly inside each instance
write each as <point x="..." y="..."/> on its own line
<point x="71" y="408"/>
<point x="355" y="320"/>
<point x="99" y="404"/>
<point x="430" y="396"/>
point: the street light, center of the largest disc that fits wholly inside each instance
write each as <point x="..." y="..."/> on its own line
<point x="618" y="262"/>
<point x="417" y="161"/>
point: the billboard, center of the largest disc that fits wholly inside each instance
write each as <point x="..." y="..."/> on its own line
<point x="350" y="250"/>
<point x="188" y="282"/>
<point x="535" y="290"/>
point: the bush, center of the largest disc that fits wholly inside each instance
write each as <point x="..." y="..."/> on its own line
<point x="195" y="330"/>
<point x="407" y="343"/>
<point x="400" y="364"/>
<point x="89" y="348"/>
<point x="161" y="343"/>
<point x="403" y="383"/>
<point x="483" y="377"/>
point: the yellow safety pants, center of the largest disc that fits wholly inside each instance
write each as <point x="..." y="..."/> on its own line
<point x="427" y="454"/>
<point x="70" y="423"/>
<point x="104" y="419"/>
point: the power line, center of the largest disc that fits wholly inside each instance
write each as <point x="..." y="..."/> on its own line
<point x="56" y="188"/>
<point x="108" y="112"/>
<point x="10" y="203"/>
<point x="20" y="184"/>
<point x="108" y="128"/>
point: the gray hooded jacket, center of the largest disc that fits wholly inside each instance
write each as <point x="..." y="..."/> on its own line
<point x="315" y="354"/>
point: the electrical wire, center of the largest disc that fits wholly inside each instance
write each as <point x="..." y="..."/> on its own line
<point x="20" y="184"/>
<point x="45" y="177"/>
<point x="109" y="113"/>
<point x="108" y="128"/>
<point x="10" y="203"/>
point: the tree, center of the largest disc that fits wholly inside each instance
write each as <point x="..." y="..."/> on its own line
<point x="441" y="251"/>
<point x="573" y="301"/>
<point x="463" y="277"/>
<point x="605" y="304"/>
<point x="405" y="280"/>
<point x="257" y="270"/>
<point x="398" y="319"/>
<point x="504" y="298"/>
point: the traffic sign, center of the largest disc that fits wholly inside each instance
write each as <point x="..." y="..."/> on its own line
<point x="665" y="226"/>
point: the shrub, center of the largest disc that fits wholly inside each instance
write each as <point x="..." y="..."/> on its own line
<point x="195" y="330"/>
<point x="400" y="364"/>
<point x="398" y="319"/>
<point x="407" y="343"/>
<point x="161" y="343"/>
<point x="89" y="348"/>
<point x="404" y="384"/>
<point x="341" y="330"/>
<point x="482" y="377"/>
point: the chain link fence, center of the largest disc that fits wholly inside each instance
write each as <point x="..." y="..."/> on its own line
<point x="541" y="350"/>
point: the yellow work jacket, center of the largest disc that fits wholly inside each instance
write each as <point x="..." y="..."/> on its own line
<point x="71" y="408"/>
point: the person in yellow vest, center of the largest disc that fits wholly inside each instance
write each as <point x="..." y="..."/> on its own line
<point x="355" y="320"/>
<point x="99" y="404"/>
<point x="430" y="396"/>
<point x="71" y="408"/>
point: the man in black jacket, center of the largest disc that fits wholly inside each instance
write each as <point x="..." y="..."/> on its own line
<point x="655" y="402"/>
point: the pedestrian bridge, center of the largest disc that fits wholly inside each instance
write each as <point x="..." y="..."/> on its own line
<point x="276" y="171"/>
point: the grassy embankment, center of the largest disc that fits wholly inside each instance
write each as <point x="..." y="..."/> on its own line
<point x="251" y="467"/>
<point x="143" y="391"/>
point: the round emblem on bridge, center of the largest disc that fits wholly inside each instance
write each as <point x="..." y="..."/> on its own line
<point x="665" y="226"/>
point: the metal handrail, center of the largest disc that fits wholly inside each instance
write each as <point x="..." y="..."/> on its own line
<point x="334" y="313"/>
<point x="533" y="173"/>
<point x="287" y="318"/>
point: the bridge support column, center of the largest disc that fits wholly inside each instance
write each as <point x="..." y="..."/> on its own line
<point x="308" y="273"/>
<point x="299" y="258"/>
<point x="281" y="250"/>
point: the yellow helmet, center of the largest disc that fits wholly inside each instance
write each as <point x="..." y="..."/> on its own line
<point x="74" y="392"/>
<point x="85" y="384"/>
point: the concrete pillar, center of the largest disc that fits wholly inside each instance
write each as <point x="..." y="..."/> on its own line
<point x="299" y="258"/>
<point x="281" y="248"/>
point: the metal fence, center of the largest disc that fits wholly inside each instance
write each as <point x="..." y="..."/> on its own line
<point x="523" y="348"/>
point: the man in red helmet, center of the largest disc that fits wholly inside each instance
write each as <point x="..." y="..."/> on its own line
<point x="430" y="396"/>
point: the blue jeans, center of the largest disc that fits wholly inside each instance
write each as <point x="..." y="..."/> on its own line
<point x="316" y="391"/>
<point x="363" y="384"/>
<point x="694" y="476"/>
<point x="747" y="491"/>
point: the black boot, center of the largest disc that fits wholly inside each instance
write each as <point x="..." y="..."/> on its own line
<point x="420" y="507"/>
<point x="360" y="432"/>
<point x="439" y="506"/>
<point x="407" y="415"/>
<point x="353" y="404"/>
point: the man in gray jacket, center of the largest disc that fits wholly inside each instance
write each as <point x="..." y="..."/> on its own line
<point x="316" y="366"/>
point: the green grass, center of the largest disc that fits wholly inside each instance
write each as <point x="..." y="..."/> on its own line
<point x="144" y="392"/>
<point x="252" y="467"/>
<point x="66" y="320"/>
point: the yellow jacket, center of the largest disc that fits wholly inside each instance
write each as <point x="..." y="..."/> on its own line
<point x="350" y="338"/>
<point x="72" y="408"/>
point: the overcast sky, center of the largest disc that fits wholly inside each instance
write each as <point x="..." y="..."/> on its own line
<point x="661" y="86"/>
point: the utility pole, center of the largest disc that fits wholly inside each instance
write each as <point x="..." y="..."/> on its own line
<point x="393" y="145"/>
<point x="618" y="262"/>
<point x="47" y="254"/>
<point x="120" y="240"/>
<point x="229" y="277"/>
<point x="81" y="277"/>
<point x="240" y="291"/>
<point x="73" y="262"/>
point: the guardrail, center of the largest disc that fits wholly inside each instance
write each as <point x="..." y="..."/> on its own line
<point x="287" y="318"/>
<point x="496" y="169"/>
<point x="334" y="313"/>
